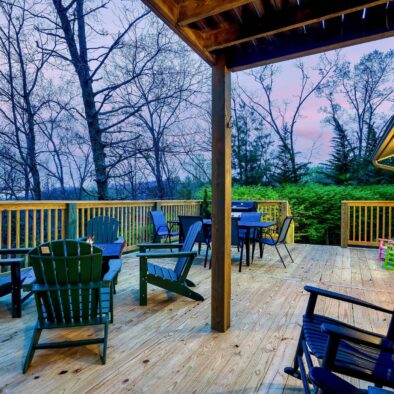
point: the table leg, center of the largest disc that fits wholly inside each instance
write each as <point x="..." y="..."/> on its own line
<point x="16" y="289"/>
<point x="247" y="245"/>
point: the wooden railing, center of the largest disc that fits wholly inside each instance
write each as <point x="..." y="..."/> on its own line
<point x="29" y="223"/>
<point x="364" y="222"/>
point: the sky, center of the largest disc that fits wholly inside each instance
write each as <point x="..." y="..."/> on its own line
<point x="310" y="129"/>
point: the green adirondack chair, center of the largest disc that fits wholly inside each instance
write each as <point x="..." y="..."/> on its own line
<point x="174" y="280"/>
<point x="104" y="230"/>
<point x="69" y="292"/>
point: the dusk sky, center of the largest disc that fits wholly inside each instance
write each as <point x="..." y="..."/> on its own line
<point x="310" y="128"/>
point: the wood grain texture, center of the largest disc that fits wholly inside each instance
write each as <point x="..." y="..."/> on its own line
<point x="169" y="345"/>
<point x="221" y="197"/>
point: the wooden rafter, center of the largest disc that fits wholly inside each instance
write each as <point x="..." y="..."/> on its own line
<point x="195" y="10"/>
<point x="168" y="11"/>
<point x="336" y="35"/>
<point x="287" y="19"/>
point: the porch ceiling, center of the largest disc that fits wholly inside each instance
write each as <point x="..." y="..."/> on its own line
<point x="250" y="33"/>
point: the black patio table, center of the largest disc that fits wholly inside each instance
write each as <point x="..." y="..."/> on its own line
<point x="247" y="226"/>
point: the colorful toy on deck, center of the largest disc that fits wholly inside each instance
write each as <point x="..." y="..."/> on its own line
<point x="389" y="260"/>
<point x="383" y="242"/>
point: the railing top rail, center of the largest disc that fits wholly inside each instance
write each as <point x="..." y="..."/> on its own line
<point x="368" y="202"/>
<point x="13" y="205"/>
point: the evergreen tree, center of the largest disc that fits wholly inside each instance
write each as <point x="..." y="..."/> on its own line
<point x="288" y="169"/>
<point x="251" y="145"/>
<point x="340" y="163"/>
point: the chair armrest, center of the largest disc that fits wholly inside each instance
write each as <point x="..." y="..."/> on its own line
<point x="29" y="281"/>
<point x="144" y="246"/>
<point x="163" y="255"/>
<point x="329" y="382"/>
<point x="119" y="240"/>
<point x="16" y="260"/>
<point x="15" y="251"/>
<point x="115" y="266"/>
<point x="358" y="337"/>
<point x="342" y="297"/>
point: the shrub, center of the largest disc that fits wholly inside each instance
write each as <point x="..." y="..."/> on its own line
<point x="316" y="208"/>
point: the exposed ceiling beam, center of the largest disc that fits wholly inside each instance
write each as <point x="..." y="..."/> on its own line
<point x="285" y="46"/>
<point x="195" y="10"/>
<point x="287" y="19"/>
<point x="168" y="11"/>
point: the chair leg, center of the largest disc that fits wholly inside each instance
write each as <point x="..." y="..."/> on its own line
<point x="32" y="348"/>
<point x="240" y="257"/>
<point x="16" y="290"/>
<point x="143" y="292"/>
<point x="281" y="259"/>
<point x="104" y="354"/>
<point x="199" y="248"/>
<point x="262" y="246"/>
<point x="291" y="258"/>
<point x="294" y="370"/>
<point x="111" y="299"/>
<point x="253" y="248"/>
<point x="206" y="255"/>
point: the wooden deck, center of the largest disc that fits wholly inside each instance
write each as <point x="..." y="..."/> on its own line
<point x="168" y="346"/>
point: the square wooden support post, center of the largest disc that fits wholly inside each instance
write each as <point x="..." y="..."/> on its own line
<point x="221" y="197"/>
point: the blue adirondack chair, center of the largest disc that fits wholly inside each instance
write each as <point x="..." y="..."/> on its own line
<point x="174" y="280"/>
<point x="160" y="227"/>
<point x="204" y="236"/>
<point x="341" y="347"/>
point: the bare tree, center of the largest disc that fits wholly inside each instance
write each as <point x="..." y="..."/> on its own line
<point x="20" y="77"/>
<point x="281" y="117"/>
<point x="356" y="95"/>
<point x="169" y="95"/>
<point x="90" y="49"/>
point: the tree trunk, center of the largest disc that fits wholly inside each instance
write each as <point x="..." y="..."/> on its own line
<point x="81" y="65"/>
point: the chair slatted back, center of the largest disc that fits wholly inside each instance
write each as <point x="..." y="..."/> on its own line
<point x="284" y="229"/>
<point x="183" y="264"/>
<point x="159" y="222"/>
<point x="187" y="221"/>
<point x="68" y="277"/>
<point x="104" y="229"/>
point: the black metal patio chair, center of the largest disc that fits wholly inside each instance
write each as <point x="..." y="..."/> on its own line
<point x="281" y="240"/>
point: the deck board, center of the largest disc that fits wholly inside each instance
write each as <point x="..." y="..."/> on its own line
<point x="168" y="346"/>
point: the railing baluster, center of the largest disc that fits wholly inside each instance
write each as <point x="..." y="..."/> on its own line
<point x="9" y="232"/>
<point x="18" y="229"/>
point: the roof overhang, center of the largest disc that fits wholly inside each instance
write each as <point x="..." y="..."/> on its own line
<point x="249" y="33"/>
<point x="384" y="153"/>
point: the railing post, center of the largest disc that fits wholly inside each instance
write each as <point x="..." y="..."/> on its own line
<point x="285" y="211"/>
<point x="71" y="221"/>
<point x="344" y="224"/>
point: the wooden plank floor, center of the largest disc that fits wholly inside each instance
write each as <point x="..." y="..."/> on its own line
<point x="168" y="346"/>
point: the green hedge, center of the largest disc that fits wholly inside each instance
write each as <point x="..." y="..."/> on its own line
<point x="316" y="208"/>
